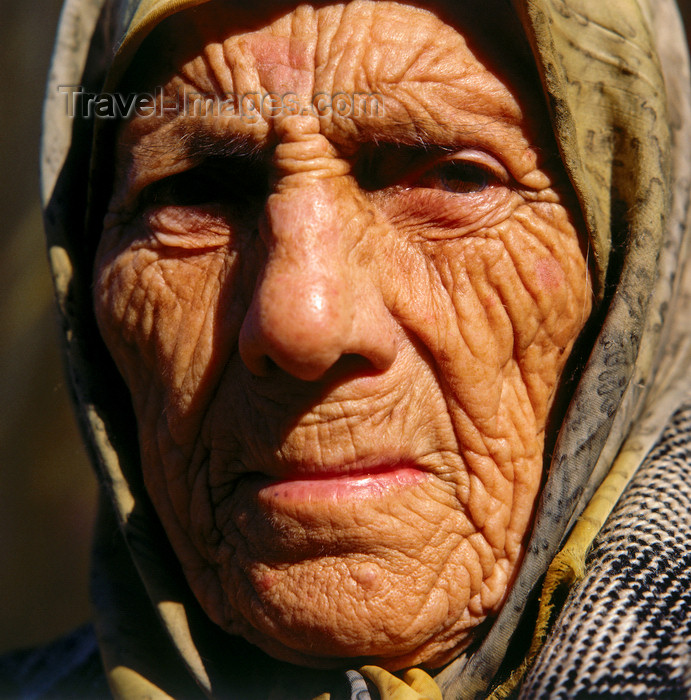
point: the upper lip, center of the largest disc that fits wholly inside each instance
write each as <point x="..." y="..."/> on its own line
<point x="288" y="471"/>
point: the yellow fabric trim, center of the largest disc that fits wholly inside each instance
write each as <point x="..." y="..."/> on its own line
<point x="126" y="684"/>
<point x="416" y="684"/>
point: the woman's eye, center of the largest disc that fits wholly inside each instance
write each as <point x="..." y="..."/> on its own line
<point x="207" y="184"/>
<point x="190" y="188"/>
<point x="457" y="176"/>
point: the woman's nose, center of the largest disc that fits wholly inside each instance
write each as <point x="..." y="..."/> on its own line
<point x="313" y="303"/>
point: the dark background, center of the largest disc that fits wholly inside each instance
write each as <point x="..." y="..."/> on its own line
<point x="47" y="491"/>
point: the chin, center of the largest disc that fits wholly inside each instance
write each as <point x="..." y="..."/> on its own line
<point x="304" y="635"/>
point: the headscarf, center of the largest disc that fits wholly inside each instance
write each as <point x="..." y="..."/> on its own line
<point x="616" y="80"/>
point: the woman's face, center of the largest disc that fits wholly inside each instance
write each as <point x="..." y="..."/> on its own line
<point x="342" y="328"/>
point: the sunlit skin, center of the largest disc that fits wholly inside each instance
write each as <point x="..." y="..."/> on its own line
<point x="342" y="334"/>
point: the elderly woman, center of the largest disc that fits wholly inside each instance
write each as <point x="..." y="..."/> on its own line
<point x="341" y="255"/>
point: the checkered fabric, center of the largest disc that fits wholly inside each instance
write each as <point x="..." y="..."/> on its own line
<point x="625" y="630"/>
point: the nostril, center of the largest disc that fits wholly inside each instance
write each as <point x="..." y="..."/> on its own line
<point x="262" y="366"/>
<point x="349" y="366"/>
<point x="353" y="365"/>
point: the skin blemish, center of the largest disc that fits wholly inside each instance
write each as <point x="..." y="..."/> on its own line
<point x="266" y="582"/>
<point x="366" y="576"/>
<point x="549" y="273"/>
<point x="281" y="62"/>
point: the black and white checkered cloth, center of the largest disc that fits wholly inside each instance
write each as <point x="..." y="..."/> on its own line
<point x="625" y="630"/>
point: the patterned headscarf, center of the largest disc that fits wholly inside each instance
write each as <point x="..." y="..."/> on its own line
<point x="616" y="79"/>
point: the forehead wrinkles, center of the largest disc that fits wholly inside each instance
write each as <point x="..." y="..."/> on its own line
<point x="406" y="54"/>
<point x="276" y="59"/>
<point x="432" y="86"/>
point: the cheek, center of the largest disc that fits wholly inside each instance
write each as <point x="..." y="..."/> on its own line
<point x="514" y="297"/>
<point x="167" y="320"/>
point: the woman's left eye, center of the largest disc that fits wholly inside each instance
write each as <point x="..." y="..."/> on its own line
<point x="458" y="177"/>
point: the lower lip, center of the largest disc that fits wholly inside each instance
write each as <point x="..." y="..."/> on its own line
<point x="342" y="488"/>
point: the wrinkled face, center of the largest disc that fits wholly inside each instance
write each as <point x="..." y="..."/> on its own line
<point x="342" y="332"/>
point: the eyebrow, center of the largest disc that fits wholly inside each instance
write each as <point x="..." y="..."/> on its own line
<point x="192" y="144"/>
<point x="201" y="144"/>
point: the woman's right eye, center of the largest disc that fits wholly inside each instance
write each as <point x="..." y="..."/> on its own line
<point x="191" y="188"/>
<point x="208" y="184"/>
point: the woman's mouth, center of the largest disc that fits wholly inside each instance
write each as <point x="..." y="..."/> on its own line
<point x="335" y="486"/>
